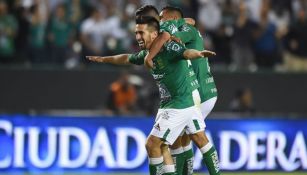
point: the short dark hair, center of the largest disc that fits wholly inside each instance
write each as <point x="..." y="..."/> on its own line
<point x="174" y="9"/>
<point x="147" y="10"/>
<point x="149" y="20"/>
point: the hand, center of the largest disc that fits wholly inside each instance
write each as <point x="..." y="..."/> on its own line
<point x="95" y="58"/>
<point x="207" y="53"/>
<point x="148" y="63"/>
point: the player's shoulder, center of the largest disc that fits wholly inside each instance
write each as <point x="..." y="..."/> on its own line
<point x="169" y="26"/>
<point x="187" y="28"/>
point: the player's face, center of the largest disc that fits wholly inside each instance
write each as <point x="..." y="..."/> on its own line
<point x="165" y="16"/>
<point x="144" y="36"/>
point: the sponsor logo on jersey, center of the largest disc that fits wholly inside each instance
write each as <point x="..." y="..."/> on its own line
<point x="158" y="76"/>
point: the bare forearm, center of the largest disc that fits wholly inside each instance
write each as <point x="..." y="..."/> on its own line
<point x="157" y="45"/>
<point x="194" y="54"/>
<point x="190" y="54"/>
<point x="121" y="59"/>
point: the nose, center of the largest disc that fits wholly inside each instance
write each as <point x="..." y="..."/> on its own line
<point x="138" y="36"/>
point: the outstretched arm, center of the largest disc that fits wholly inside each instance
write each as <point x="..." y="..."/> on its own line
<point x="190" y="54"/>
<point x="122" y="59"/>
<point x="155" y="48"/>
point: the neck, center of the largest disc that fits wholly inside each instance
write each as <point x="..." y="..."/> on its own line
<point x="150" y="44"/>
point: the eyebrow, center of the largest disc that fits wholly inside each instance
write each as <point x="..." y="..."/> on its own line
<point x="140" y="31"/>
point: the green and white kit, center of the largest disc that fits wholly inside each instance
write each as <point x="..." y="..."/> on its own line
<point x="177" y="83"/>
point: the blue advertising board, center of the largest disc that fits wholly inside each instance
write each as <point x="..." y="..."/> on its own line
<point x="103" y="144"/>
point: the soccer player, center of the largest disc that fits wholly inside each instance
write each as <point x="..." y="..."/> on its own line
<point x="177" y="91"/>
<point x="150" y="10"/>
<point x="182" y="152"/>
<point x="166" y="28"/>
<point x="190" y="36"/>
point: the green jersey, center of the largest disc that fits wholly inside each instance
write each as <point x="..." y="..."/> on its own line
<point x="192" y="39"/>
<point x="171" y="26"/>
<point x="172" y="75"/>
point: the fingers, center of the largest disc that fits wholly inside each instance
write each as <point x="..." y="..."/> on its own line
<point x="207" y="53"/>
<point x="212" y="53"/>
<point x="91" y="58"/>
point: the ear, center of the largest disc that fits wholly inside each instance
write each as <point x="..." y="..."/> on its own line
<point x="155" y="34"/>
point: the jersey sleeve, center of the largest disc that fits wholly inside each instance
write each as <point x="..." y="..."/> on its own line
<point x="169" y="26"/>
<point x="175" y="49"/>
<point x="186" y="33"/>
<point x="137" y="58"/>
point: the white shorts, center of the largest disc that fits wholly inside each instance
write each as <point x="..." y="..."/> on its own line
<point x="170" y="123"/>
<point x="207" y="106"/>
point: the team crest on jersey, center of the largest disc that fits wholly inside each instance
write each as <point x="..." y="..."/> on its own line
<point x="158" y="76"/>
<point x="176" y="47"/>
<point x="173" y="46"/>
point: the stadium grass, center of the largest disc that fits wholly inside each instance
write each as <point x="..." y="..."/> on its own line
<point x="247" y="173"/>
<point x="234" y="173"/>
<point x="239" y="173"/>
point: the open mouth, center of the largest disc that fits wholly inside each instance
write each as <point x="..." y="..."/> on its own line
<point x="141" y="43"/>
